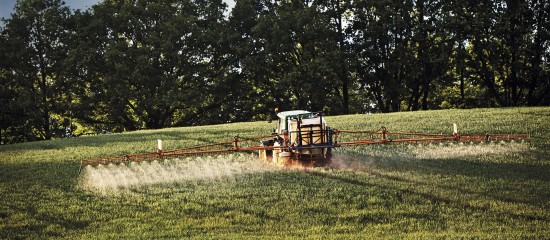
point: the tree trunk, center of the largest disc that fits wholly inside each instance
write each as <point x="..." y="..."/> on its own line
<point x="460" y="62"/>
<point x="341" y="47"/>
<point x="425" y="96"/>
<point x="532" y="100"/>
<point x="486" y="76"/>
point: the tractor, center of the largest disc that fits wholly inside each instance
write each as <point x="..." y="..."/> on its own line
<point x="300" y="137"/>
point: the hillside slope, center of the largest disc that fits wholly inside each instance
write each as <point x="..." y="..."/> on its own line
<point x="485" y="190"/>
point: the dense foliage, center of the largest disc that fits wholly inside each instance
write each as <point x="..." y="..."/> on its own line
<point x="415" y="191"/>
<point x="127" y="65"/>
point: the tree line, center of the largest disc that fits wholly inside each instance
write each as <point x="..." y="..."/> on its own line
<point x="128" y="65"/>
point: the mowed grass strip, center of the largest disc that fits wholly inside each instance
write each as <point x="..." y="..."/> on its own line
<point x="489" y="190"/>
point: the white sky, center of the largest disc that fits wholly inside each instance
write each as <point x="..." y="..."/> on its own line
<point x="6" y="6"/>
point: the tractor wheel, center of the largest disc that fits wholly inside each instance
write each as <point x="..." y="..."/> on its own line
<point x="262" y="155"/>
<point x="275" y="157"/>
<point x="328" y="155"/>
<point x="283" y="158"/>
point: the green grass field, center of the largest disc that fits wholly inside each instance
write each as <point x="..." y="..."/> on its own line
<point x="489" y="190"/>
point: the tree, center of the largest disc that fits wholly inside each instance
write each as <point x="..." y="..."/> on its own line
<point x="11" y="115"/>
<point x="251" y="92"/>
<point x="155" y="58"/>
<point x="338" y="11"/>
<point x="297" y="54"/>
<point x="382" y="34"/>
<point x="539" y="51"/>
<point x="431" y="47"/>
<point x="37" y="35"/>
<point x="508" y="43"/>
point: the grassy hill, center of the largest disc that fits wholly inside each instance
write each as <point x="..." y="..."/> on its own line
<point x="488" y="190"/>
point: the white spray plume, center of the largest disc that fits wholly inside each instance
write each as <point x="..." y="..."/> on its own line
<point x="112" y="178"/>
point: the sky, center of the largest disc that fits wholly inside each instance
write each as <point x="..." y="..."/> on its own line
<point x="6" y="6"/>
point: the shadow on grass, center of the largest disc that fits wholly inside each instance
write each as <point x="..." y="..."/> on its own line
<point x="37" y="200"/>
<point x="481" y="169"/>
<point x="398" y="190"/>
<point x="518" y="184"/>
